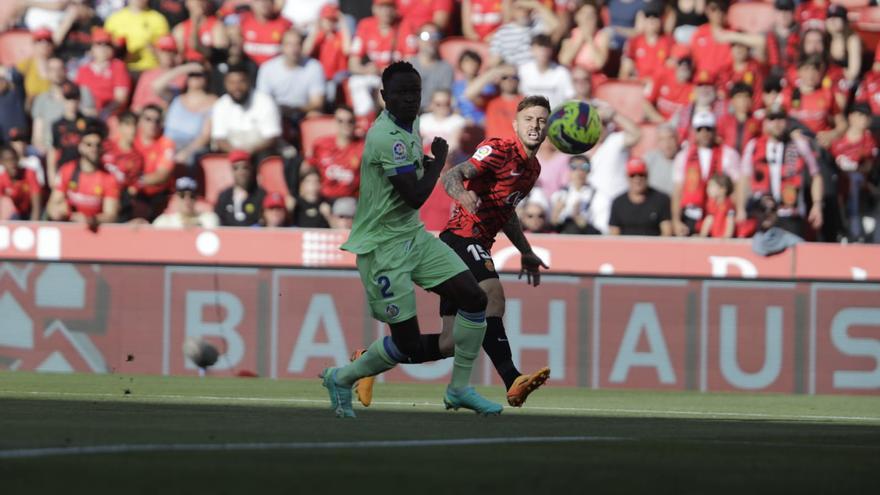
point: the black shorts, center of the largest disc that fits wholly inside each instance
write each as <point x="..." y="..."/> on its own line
<point x="475" y="256"/>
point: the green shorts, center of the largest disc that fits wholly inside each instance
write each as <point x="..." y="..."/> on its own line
<point x="388" y="273"/>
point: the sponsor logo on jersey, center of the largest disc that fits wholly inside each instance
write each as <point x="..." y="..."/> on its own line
<point x="398" y="151"/>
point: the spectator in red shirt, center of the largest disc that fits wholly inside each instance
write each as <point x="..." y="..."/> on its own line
<point x="782" y="41"/>
<point x="646" y="54"/>
<point x="338" y="158"/>
<point x="720" y="219"/>
<point x="816" y="42"/>
<point x="710" y="55"/>
<point x="330" y="44"/>
<point x="480" y="18"/>
<point x="813" y="103"/>
<point x="378" y="41"/>
<point x="737" y="127"/>
<point x="145" y="92"/>
<point x="275" y="212"/>
<point x="105" y="76"/>
<point x="869" y="89"/>
<point x="124" y="161"/>
<point x="20" y="185"/>
<point x="501" y="110"/>
<point x="200" y="32"/>
<point x="855" y="153"/>
<point x="261" y="30"/>
<point x="155" y="186"/>
<point x="421" y="12"/>
<point x="744" y="69"/>
<point x="670" y="93"/>
<point x="84" y="192"/>
<point x="811" y="13"/>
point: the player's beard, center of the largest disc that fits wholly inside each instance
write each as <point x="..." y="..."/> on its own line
<point x="532" y="144"/>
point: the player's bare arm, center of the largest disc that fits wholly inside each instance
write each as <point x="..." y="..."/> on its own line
<point x="531" y="263"/>
<point x="415" y="191"/>
<point x="453" y="182"/>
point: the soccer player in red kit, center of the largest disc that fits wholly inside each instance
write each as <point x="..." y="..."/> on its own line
<point x="486" y="189"/>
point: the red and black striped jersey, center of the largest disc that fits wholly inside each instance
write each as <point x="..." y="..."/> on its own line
<point x="505" y="175"/>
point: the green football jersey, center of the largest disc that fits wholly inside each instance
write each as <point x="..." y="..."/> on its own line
<point x="381" y="213"/>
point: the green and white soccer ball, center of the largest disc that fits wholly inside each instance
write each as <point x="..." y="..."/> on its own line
<point x="574" y="127"/>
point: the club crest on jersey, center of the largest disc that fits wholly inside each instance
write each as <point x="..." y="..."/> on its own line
<point x="483" y="152"/>
<point x="398" y="151"/>
<point x="392" y="310"/>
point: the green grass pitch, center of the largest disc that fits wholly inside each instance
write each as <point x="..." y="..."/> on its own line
<point x="161" y="435"/>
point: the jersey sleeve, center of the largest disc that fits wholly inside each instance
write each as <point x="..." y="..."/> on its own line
<point x="490" y="156"/>
<point x="392" y="155"/>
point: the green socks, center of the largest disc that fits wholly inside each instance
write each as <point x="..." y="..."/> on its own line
<point x="468" y="336"/>
<point x="373" y="362"/>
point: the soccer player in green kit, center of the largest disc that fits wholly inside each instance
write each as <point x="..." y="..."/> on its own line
<point x="394" y="251"/>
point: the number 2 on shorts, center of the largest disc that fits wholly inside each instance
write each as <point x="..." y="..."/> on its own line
<point x="385" y="286"/>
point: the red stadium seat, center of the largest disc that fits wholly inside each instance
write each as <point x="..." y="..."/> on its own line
<point x="270" y="175"/>
<point x="15" y="46"/>
<point x="218" y="175"/>
<point x="627" y="97"/>
<point x="751" y="17"/>
<point x="452" y="47"/>
<point x="314" y="128"/>
<point x="647" y="142"/>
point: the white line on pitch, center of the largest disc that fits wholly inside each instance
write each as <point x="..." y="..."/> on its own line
<point x="294" y="400"/>
<point x="257" y="446"/>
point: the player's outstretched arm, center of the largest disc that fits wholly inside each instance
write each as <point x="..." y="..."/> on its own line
<point x="415" y="191"/>
<point x="531" y="263"/>
<point x="453" y="182"/>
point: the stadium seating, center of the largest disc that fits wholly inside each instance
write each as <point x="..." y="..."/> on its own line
<point x="627" y="97"/>
<point x="314" y="128"/>
<point x="647" y="142"/>
<point x="218" y="175"/>
<point x="270" y="175"/>
<point x="751" y="17"/>
<point x="452" y="47"/>
<point x="15" y="46"/>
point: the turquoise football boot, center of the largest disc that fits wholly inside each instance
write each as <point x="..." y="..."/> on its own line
<point x="468" y="398"/>
<point x="340" y="396"/>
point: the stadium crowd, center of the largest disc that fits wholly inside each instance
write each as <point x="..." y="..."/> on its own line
<point x="252" y="113"/>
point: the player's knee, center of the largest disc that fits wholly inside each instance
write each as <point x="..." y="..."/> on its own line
<point x="473" y="299"/>
<point x="409" y="345"/>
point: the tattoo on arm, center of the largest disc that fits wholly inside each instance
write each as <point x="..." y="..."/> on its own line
<point x="453" y="180"/>
<point x="514" y="231"/>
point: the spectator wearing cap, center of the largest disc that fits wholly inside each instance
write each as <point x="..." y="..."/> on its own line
<point x="570" y="210"/>
<point x="510" y="43"/>
<point x="122" y="159"/>
<point x="720" y="218"/>
<point x="34" y="69"/>
<point x="811" y="13"/>
<point x="155" y="186"/>
<point x="711" y="56"/>
<point x="145" y="92"/>
<point x="699" y="160"/>
<point x="660" y="159"/>
<point x="12" y="101"/>
<point x="141" y="27"/>
<point x="186" y="213"/>
<point x="543" y="76"/>
<point x="310" y="209"/>
<point x="330" y="44"/>
<point x="588" y="44"/>
<point x="48" y="106"/>
<point x="342" y="213"/>
<point x="646" y="53"/>
<point x="641" y="210"/>
<point x="500" y="109"/>
<point x="671" y="93"/>
<point x="607" y="176"/>
<point x="845" y="47"/>
<point x="106" y="77"/>
<point x="293" y="80"/>
<point x="241" y="205"/>
<point x="705" y="99"/>
<point x="869" y="89"/>
<point x="855" y="154"/>
<point x="480" y="18"/>
<point x="275" y="212"/>
<point x="738" y="126"/>
<point x="83" y="191"/>
<point x="813" y="103"/>
<point x="200" y="32"/>
<point x="244" y="119"/>
<point x="436" y="73"/>
<point x="378" y="40"/>
<point x="66" y="131"/>
<point x="20" y="185"/>
<point x="338" y="158"/>
<point x="261" y="31"/>
<point x="775" y="164"/>
<point x="188" y="119"/>
<point x="782" y="42"/>
<point x="441" y="121"/>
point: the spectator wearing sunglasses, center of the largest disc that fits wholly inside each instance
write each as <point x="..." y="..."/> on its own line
<point x="436" y="73"/>
<point x="338" y="158"/>
<point x="501" y="110"/>
<point x="186" y="213"/>
<point x="154" y="187"/>
<point x="641" y="210"/>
